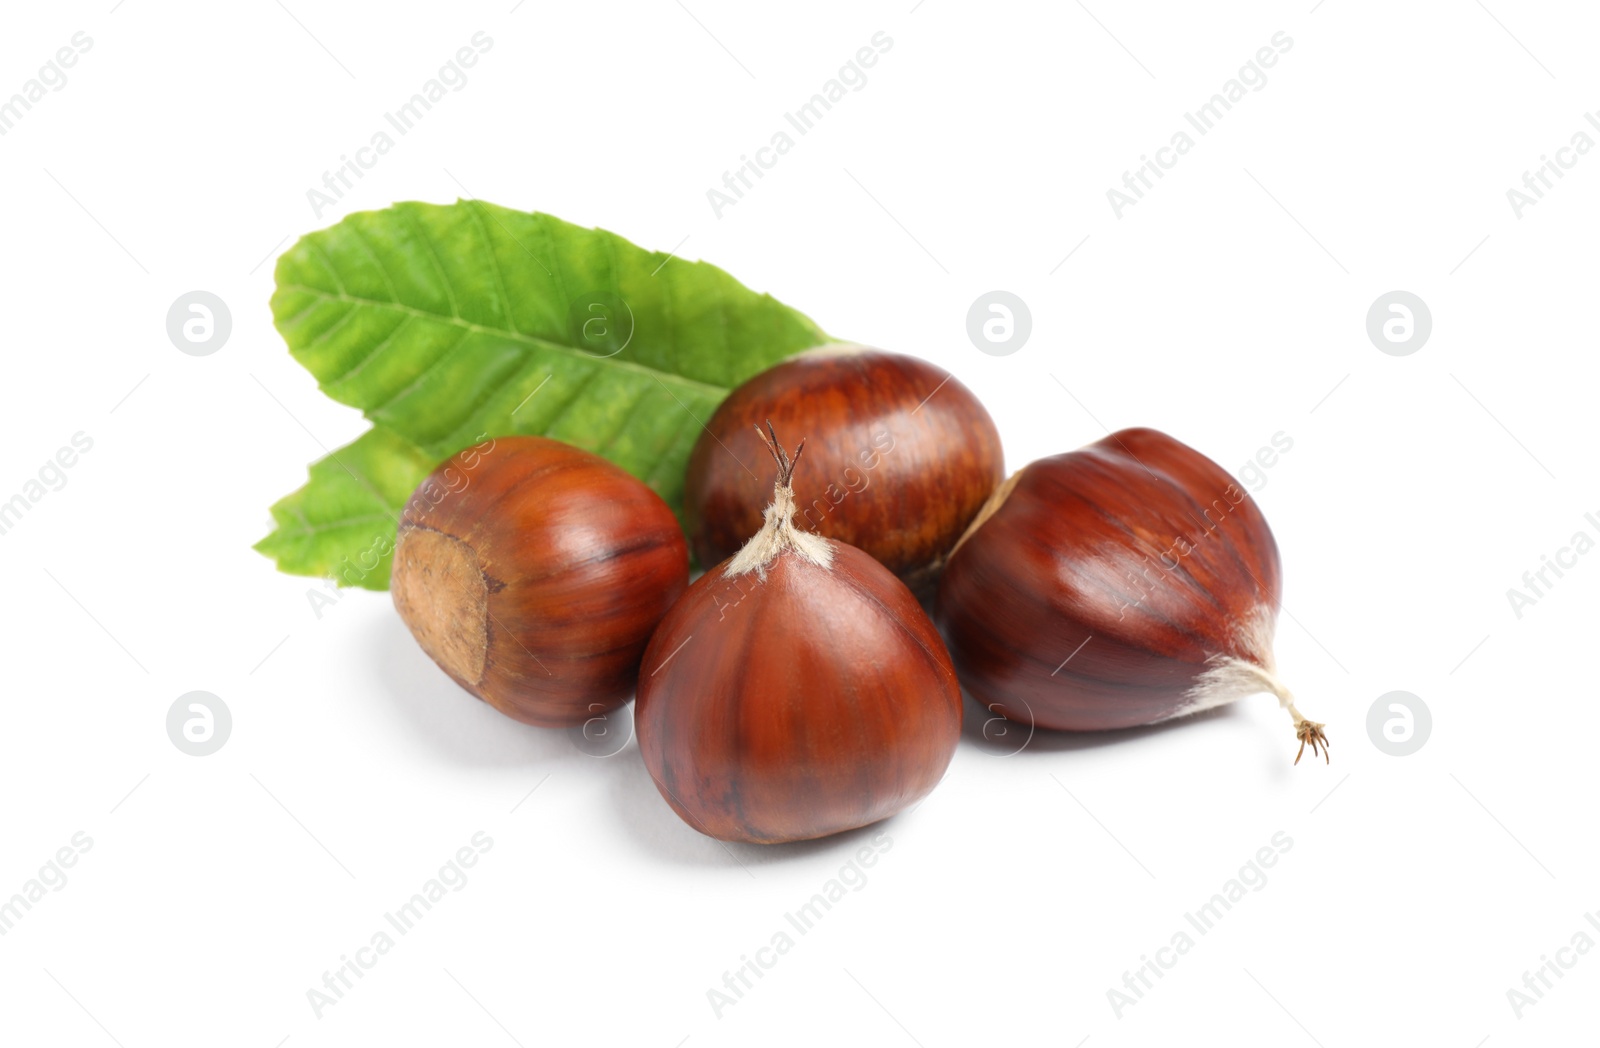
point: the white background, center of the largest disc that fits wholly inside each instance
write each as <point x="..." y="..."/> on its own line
<point x="1225" y="307"/>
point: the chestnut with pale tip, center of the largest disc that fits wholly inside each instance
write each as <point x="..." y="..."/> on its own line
<point x="900" y="454"/>
<point x="1126" y="583"/>
<point x="797" y="690"/>
<point x="534" y="573"/>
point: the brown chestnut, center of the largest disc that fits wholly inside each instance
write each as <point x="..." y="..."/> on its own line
<point x="902" y="456"/>
<point x="533" y="573"/>
<point x="796" y="690"/>
<point x="1126" y="583"/>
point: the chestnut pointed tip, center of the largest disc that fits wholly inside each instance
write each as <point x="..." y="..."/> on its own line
<point x="786" y="462"/>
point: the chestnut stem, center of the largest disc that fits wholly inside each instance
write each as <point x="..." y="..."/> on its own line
<point x="1231" y="677"/>
<point x="778" y="534"/>
<point x="1308" y="731"/>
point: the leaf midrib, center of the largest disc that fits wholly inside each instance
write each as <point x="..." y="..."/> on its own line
<point x="516" y="336"/>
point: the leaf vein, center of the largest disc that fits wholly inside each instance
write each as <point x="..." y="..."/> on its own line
<point x="438" y="264"/>
<point x="286" y="321"/>
<point x="531" y="340"/>
<point x="578" y="390"/>
<point x="377" y="260"/>
<point x="422" y="375"/>
<point x="627" y="417"/>
<point x="327" y="263"/>
<point x="499" y="273"/>
<point x="344" y="318"/>
<point x="670" y="446"/>
<point x="369" y="356"/>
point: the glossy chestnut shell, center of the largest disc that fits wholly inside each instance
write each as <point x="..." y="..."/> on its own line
<point x="899" y="458"/>
<point x="534" y="573"/>
<point x="795" y="691"/>
<point x="1125" y="583"/>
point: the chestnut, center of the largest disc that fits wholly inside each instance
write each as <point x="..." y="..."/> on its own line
<point x="1130" y="582"/>
<point x="533" y="573"/>
<point x="903" y="457"/>
<point x="796" y="690"/>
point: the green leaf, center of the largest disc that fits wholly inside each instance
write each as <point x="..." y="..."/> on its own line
<point x="342" y="524"/>
<point x="444" y="324"/>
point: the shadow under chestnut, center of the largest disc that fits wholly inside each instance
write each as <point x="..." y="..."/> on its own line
<point x="459" y="726"/>
<point x="998" y="737"/>
<point x="655" y="827"/>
